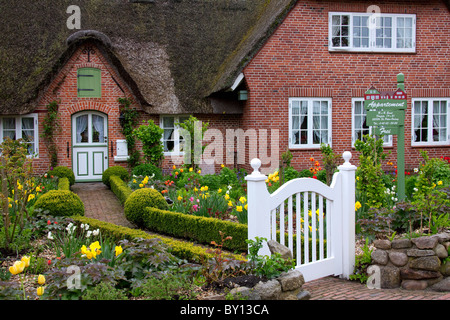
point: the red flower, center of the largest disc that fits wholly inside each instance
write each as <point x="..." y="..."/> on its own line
<point x="49" y="222"/>
<point x="314" y="177"/>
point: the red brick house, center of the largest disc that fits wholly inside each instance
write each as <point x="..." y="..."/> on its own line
<point x="283" y="74"/>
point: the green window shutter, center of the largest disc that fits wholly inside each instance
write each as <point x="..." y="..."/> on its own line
<point x="89" y="83"/>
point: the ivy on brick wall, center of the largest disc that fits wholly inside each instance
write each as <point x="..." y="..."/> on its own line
<point x="50" y="125"/>
<point x="130" y="120"/>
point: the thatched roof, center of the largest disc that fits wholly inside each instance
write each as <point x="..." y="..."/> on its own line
<point x="172" y="53"/>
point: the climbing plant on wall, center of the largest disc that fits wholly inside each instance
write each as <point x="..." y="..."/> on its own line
<point x="130" y="119"/>
<point x="50" y="125"/>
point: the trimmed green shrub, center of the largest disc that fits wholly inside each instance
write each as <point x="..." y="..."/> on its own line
<point x="63" y="184"/>
<point x="201" y="229"/>
<point x="60" y="203"/>
<point x="119" y="171"/>
<point x="63" y="172"/>
<point x="210" y="180"/>
<point x="120" y="189"/>
<point x="148" y="169"/>
<point x="139" y="200"/>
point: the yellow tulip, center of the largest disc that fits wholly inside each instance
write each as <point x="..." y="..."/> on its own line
<point x="40" y="291"/>
<point x="191" y="169"/>
<point x="118" y="250"/>
<point x="357" y="205"/>
<point x="174" y="167"/>
<point x="180" y="198"/>
<point x="239" y="208"/>
<point x="219" y="191"/>
<point x="41" y="279"/>
<point x="199" y="171"/>
<point x="26" y="260"/>
<point x="17" y="267"/>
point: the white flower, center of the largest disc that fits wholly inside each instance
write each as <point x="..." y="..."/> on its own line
<point x="415" y="189"/>
<point x="96" y="232"/>
<point x="88" y="235"/>
<point x="86" y="227"/>
<point x="50" y="236"/>
<point x="416" y="170"/>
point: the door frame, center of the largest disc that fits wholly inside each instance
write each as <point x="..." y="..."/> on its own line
<point x="89" y="145"/>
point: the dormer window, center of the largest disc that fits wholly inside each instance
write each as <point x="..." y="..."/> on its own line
<point x="89" y="83"/>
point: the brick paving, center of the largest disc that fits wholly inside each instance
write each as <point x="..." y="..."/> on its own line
<point x="102" y="204"/>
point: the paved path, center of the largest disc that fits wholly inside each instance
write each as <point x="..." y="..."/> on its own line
<point x="102" y="204"/>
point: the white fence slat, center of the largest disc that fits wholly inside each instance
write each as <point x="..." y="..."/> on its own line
<point x="305" y="227"/>
<point x="313" y="226"/>
<point x="290" y="227"/>
<point x="298" y="218"/>
<point x="321" y="249"/>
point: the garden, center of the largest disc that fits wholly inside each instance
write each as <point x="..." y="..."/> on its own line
<point x="50" y="251"/>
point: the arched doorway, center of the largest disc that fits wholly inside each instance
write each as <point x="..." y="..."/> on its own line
<point x="89" y="145"/>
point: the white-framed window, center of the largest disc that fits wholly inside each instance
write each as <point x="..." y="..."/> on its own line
<point x="368" y="32"/>
<point x="359" y="125"/>
<point x="21" y="127"/>
<point x="430" y="121"/>
<point x="173" y="142"/>
<point x="309" y="122"/>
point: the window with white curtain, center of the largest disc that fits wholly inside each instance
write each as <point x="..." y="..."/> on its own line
<point x="430" y="121"/>
<point x="173" y="142"/>
<point x="372" y="32"/>
<point x="309" y="122"/>
<point x="359" y="125"/>
<point x="21" y="127"/>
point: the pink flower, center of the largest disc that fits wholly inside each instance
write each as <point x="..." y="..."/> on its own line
<point x="195" y="207"/>
<point x="191" y="199"/>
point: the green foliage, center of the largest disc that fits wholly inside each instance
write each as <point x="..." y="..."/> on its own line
<point x="228" y="177"/>
<point x="139" y="200"/>
<point x="130" y="121"/>
<point x="63" y="172"/>
<point x="267" y="266"/>
<point x="60" y="203"/>
<point x="150" y="135"/>
<point x="193" y="131"/>
<point x="362" y="262"/>
<point x="167" y="286"/>
<point x="120" y="188"/>
<point x="148" y="169"/>
<point x="104" y="291"/>
<point x="290" y="173"/>
<point x="370" y="187"/>
<point x="210" y="180"/>
<point x="119" y="171"/>
<point x="63" y="184"/>
<point x="50" y="125"/>
<point x="330" y="162"/>
<point x="200" y="229"/>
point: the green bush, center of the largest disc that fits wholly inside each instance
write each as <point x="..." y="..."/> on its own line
<point x="210" y="180"/>
<point x="63" y="184"/>
<point x="139" y="200"/>
<point x="60" y="203"/>
<point x="63" y="172"/>
<point x="290" y="174"/>
<point x="200" y="229"/>
<point x="148" y="169"/>
<point x="120" y="189"/>
<point x="119" y="171"/>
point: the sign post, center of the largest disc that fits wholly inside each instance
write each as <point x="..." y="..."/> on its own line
<point x="386" y="113"/>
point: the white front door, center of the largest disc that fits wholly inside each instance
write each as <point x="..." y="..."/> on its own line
<point x="90" y="145"/>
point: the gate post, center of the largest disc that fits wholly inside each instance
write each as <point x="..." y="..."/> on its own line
<point x="258" y="214"/>
<point x="347" y="170"/>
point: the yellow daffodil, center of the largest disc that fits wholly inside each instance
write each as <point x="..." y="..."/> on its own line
<point x="195" y="189"/>
<point x="227" y="197"/>
<point x="40" y="291"/>
<point x="230" y="204"/>
<point x="134" y="180"/>
<point x="219" y="191"/>
<point x="38" y="189"/>
<point x="242" y="199"/>
<point x="222" y="165"/>
<point x="239" y="208"/>
<point x="17" y="267"/>
<point x="199" y="171"/>
<point x="180" y="198"/>
<point x="202" y="189"/>
<point x="246" y="207"/>
<point x="118" y="250"/>
<point x="439" y="183"/>
<point x="357" y="205"/>
<point x="141" y="185"/>
<point x="41" y="279"/>
<point x="191" y="169"/>
<point x="30" y="197"/>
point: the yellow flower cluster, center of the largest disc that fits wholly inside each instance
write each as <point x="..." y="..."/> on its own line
<point x="92" y="251"/>
<point x="19" y="266"/>
<point x="273" y="177"/>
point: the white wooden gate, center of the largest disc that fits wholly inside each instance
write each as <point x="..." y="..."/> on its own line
<point x="317" y="221"/>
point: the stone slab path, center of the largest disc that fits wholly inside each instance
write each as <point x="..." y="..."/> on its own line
<point x="102" y="204"/>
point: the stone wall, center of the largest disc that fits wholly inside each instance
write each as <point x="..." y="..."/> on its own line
<point x="416" y="264"/>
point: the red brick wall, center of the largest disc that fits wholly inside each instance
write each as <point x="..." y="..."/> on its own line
<point x="295" y="62"/>
<point x="63" y="89"/>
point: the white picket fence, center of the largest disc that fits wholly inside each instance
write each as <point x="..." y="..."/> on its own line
<point x="318" y="221"/>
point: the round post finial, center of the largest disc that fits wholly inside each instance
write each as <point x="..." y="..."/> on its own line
<point x="347" y="156"/>
<point x="256" y="164"/>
